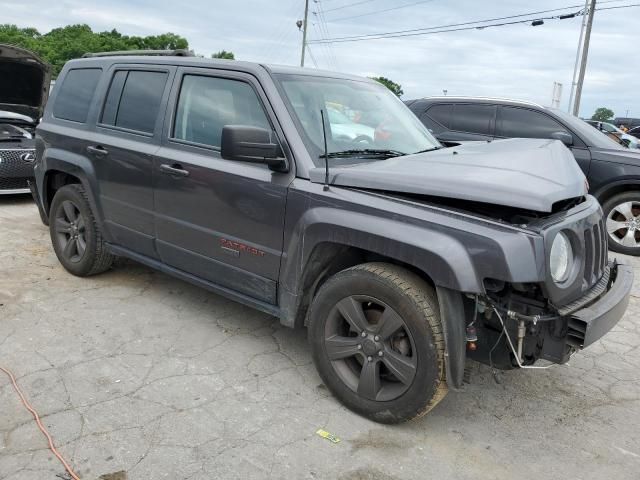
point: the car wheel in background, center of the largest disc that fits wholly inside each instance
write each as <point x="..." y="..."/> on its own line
<point x="622" y="220"/>
<point x="75" y="235"/>
<point x="377" y="342"/>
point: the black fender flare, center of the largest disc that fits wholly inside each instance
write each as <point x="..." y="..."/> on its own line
<point x="77" y="166"/>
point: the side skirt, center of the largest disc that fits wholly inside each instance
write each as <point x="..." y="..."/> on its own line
<point x="268" y="308"/>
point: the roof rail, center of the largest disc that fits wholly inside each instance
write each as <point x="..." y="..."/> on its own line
<point x="494" y="99"/>
<point x="181" y="52"/>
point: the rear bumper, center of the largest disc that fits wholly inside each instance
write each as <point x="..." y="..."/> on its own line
<point x="591" y="323"/>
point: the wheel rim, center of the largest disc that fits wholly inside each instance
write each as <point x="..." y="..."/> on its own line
<point x="623" y="224"/>
<point x="371" y="348"/>
<point x="70" y="231"/>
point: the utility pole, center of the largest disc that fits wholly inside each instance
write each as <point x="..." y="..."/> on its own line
<point x="304" y="31"/>
<point x="585" y="53"/>
<point x="578" y="51"/>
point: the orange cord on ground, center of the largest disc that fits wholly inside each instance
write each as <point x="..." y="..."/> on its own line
<point x="40" y="426"/>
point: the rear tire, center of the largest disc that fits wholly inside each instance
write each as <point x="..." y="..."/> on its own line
<point x="377" y="342"/>
<point x="75" y="234"/>
<point x="623" y="211"/>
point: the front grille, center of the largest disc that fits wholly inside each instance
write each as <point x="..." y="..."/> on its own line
<point x="14" y="183"/>
<point x="14" y="171"/>
<point x="595" y="253"/>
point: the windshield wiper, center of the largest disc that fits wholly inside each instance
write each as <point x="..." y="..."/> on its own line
<point x="427" y="150"/>
<point x="368" y="152"/>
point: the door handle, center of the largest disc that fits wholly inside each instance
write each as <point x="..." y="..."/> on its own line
<point x="97" y="150"/>
<point x="175" y="170"/>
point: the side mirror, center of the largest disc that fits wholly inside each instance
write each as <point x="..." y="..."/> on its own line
<point x="564" y="137"/>
<point x="251" y="144"/>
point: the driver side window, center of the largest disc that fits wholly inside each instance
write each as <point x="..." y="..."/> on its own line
<point x="207" y="104"/>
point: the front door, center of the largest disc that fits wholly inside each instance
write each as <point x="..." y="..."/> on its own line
<point x="218" y="219"/>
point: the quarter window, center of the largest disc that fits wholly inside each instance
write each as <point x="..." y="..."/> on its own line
<point x="134" y="98"/>
<point x="525" y="123"/>
<point x="207" y="104"/>
<point x="75" y="94"/>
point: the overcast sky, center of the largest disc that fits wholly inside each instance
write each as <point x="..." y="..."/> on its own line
<point x="518" y="61"/>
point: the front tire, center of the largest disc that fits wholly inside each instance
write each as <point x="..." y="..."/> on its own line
<point x="377" y="342"/>
<point x="75" y="235"/>
<point x="622" y="221"/>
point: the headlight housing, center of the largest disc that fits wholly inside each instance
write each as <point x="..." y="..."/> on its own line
<point x="561" y="258"/>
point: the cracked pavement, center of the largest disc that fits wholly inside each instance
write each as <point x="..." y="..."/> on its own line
<point x="135" y="371"/>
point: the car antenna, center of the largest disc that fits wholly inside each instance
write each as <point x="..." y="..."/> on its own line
<point x="326" y="154"/>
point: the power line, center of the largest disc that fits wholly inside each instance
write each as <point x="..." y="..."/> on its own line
<point x="325" y="29"/>
<point x="378" y="11"/>
<point x="348" y="5"/>
<point x="313" y="59"/>
<point x="450" y="27"/>
<point x="461" y="24"/>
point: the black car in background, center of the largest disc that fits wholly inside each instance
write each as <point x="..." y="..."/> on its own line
<point x="634" y="132"/>
<point x="613" y="171"/>
<point x="24" y="88"/>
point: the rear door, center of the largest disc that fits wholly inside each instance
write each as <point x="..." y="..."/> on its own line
<point x="127" y="135"/>
<point x="218" y="219"/>
<point x="519" y="122"/>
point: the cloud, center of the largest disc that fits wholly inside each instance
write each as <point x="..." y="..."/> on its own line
<point x="517" y="61"/>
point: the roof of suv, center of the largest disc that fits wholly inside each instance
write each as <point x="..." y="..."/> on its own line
<point x="462" y="99"/>
<point x="212" y="63"/>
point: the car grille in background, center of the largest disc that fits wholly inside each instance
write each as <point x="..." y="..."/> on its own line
<point x="14" y="171"/>
<point x="13" y="183"/>
<point x="595" y="253"/>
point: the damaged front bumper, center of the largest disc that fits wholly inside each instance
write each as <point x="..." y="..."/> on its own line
<point x="599" y="312"/>
<point x="591" y="322"/>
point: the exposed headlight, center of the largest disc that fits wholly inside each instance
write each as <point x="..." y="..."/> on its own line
<point x="561" y="258"/>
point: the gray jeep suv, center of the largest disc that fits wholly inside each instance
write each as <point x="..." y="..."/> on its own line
<point x="403" y="258"/>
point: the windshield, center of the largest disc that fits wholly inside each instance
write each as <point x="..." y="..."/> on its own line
<point x="363" y="120"/>
<point x="591" y="136"/>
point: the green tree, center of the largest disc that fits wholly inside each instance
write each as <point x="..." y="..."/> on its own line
<point x="391" y="85"/>
<point x="224" y="54"/>
<point x="62" y="44"/>
<point x="602" y="114"/>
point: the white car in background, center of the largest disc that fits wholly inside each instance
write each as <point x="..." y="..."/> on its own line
<point x="611" y="130"/>
<point x="343" y="127"/>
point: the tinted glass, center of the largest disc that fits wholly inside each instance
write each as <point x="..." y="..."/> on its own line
<point x="140" y="100"/>
<point x="113" y="98"/>
<point x="473" y="118"/>
<point x="441" y="114"/>
<point x="525" y="123"/>
<point x="75" y="94"/>
<point x="207" y="104"/>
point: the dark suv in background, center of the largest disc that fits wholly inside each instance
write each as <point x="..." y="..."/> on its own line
<point x="232" y="176"/>
<point x="612" y="170"/>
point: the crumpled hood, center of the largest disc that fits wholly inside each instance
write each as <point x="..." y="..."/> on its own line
<point x="24" y="81"/>
<point x="532" y="174"/>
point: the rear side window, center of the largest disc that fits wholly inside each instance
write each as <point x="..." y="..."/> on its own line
<point x="207" y="104"/>
<point x="525" y="123"/>
<point x="133" y="100"/>
<point x="473" y="118"/>
<point x="75" y="94"/>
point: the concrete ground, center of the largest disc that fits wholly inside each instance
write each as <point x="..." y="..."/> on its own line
<point x="136" y="372"/>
